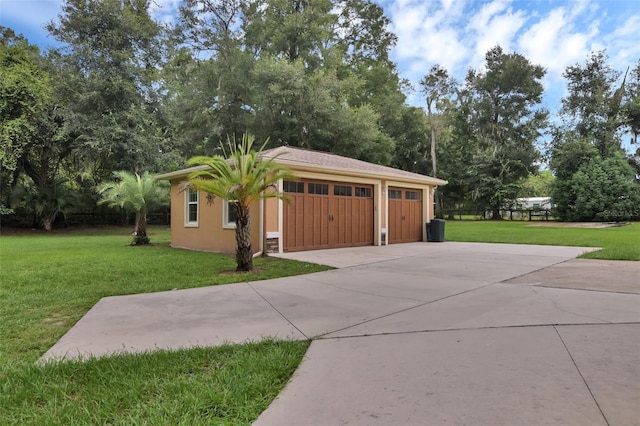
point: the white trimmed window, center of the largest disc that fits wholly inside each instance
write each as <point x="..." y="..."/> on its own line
<point x="228" y="215"/>
<point x="191" y="208"/>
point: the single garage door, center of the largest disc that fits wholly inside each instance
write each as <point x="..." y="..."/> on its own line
<point x="405" y="215"/>
<point x="324" y="214"/>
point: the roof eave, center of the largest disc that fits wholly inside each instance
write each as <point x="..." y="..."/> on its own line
<point x="180" y="173"/>
<point x="421" y="179"/>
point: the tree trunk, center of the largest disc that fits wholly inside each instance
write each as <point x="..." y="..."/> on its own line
<point x="496" y="215"/>
<point x="47" y="221"/>
<point x="434" y="162"/>
<point x="140" y="238"/>
<point x="137" y="224"/>
<point x="244" y="253"/>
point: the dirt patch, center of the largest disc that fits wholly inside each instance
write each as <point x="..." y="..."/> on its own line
<point x="588" y="225"/>
<point x="60" y="320"/>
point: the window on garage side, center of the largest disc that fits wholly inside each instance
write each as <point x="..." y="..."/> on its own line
<point x="412" y="195"/>
<point x="293" y="187"/>
<point x="363" y="192"/>
<point x="228" y="215"/>
<point x="342" y="190"/>
<point x="318" y="188"/>
<point x="191" y="208"/>
<point x="395" y="194"/>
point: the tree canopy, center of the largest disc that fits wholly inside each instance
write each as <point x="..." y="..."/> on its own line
<point x="594" y="180"/>
<point x="124" y="92"/>
<point x="495" y="122"/>
<point x="295" y="72"/>
<point x="26" y="102"/>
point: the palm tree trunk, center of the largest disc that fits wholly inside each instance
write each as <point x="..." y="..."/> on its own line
<point x="137" y="223"/>
<point x="141" y="237"/>
<point x="47" y="221"/>
<point x="244" y="253"/>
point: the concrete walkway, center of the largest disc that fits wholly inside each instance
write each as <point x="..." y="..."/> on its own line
<point x="451" y="333"/>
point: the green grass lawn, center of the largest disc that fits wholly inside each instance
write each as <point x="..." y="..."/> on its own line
<point x="48" y="281"/>
<point x="618" y="243"/>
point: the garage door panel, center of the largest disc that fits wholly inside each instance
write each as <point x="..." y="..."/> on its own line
<point x="293" y="219"/>
<point x="363" y="229"/>
<point x="313" y="235"/>
<point x="321" y="225"/>
<point x="405" y="215"/>
<point x="417" y="221"/>
<point x="328" y="214"/>
<point x="341" y="217"/>
<point x="356" y="229"/>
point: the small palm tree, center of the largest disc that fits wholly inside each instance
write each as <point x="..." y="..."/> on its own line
<point x="47" y="201"/>
<point x="137" y="194"/>
<point x="240" y="177"/>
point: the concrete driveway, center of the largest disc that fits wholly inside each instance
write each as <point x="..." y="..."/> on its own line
<point x="441" y="333"/>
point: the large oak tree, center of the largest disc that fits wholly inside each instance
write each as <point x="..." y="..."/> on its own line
<point x="505" y="120"/>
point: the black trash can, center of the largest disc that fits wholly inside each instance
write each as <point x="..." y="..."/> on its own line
<point x="435" y="230"/>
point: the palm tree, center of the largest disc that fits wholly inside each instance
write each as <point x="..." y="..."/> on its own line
<point x="240" y="177"/>
<point x="137" y="194"/>
<point x="46" y="201"/>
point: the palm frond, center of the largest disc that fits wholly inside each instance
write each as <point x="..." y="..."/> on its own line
<point x="242" y="176"/>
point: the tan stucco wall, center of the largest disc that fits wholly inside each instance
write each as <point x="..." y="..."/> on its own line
<point x="271" y="215"/>
<point x="208" y="235"/>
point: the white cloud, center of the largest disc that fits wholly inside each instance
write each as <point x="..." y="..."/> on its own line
<point x="553" y="42"/>
<point x="427" y="34"/>
<point x="447" y="4"/>
<point x="495" y="24"/>
<point x="623" y="43"/>
<point x="29" y="17"/>
<point x="450" y="33"/>
<point x="457" y="34"/>
<point x="32" y="13"/>
<point x="164" y="10"/>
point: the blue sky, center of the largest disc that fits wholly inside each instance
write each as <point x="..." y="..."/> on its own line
<point x="455" y="33"/>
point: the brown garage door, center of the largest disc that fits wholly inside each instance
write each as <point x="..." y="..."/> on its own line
<point x="405" y="215"/>
<point x="327" y="215"/>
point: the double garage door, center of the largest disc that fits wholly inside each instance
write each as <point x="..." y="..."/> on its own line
<point x="327" y="215"/>
<point x="323" y="214"/>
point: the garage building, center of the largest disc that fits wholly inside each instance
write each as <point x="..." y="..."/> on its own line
<point x="335" y="202"/>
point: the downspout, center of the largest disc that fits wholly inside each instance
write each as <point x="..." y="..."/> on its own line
<point x="386" y="213"/>
<point x="280" y="218"/>
<point x="428" y="207"/>
<point x="433" y="205"/>
<point x="260" y="230"/>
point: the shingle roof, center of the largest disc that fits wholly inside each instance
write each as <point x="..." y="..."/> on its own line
<point x="333" y="161"/>
<point x="292" y="157"/>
